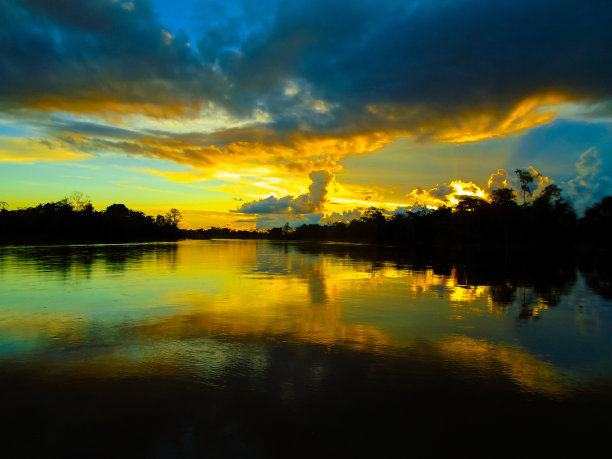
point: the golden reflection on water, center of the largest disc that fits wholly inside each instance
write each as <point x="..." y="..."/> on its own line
<point x="527" y="371"/>
<point x="155" y="308"/>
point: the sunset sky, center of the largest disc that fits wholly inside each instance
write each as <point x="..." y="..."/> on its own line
<point x="254" y="113"/>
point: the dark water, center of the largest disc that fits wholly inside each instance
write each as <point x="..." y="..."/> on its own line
<point x="262" y="349"/>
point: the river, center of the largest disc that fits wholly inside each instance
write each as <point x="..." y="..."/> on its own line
<point x="267" y="349"/>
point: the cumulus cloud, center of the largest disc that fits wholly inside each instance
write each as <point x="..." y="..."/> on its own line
<point x="270" y="205"/>
<point x="499" y="179"/>
<point x="540" y="182"/>
<point x="502" y="179"/>
<point x="309" y="203"/>
<point x="344" y="216"/>
<point x="589" y="186"/>
<point x="422" y="197"/>
<point x="449" y="194"/>
<point x="402" y="210"/>
<point x="589" y="163"/>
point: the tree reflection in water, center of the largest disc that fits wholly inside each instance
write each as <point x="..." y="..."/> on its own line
<point x="539" y="279"/>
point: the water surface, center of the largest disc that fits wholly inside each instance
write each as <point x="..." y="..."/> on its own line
<point x="260" y="349"/>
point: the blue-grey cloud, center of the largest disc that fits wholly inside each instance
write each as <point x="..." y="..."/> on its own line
<point x="87" y="128"/>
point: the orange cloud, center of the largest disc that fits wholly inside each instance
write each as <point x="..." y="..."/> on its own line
<point x="111" y="107"/>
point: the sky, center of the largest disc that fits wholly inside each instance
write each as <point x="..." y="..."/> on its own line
<point x="249" y="114"/>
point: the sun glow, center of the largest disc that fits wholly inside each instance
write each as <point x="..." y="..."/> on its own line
<point x="464" y="189"/>
<point x="445" y="195"/>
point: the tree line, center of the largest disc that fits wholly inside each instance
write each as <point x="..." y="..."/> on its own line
<point x="74" y="220"/>
<point x="504" y="220"/>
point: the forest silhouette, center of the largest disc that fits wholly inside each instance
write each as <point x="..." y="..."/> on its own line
<point x="506" y="220"/>
<point x="74" y="220"/>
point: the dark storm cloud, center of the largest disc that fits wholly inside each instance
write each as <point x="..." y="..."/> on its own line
<point x="104" y="52"/>
<point x="355" y="66"/>
<point x="444" y="57"/>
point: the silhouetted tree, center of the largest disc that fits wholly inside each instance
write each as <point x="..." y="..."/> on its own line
<point x="526" y="178"/>
<point x="173" y="217"/>
<point x="275" y="233"/>
<point x="600" y="212"/>
<point x="117" y="211"/>
<point x="503" y="197"/>
<point x="504" y="211"/>
<point x="470" y="204"/>
<point x="78" y="200"/>
<point x="596" y="226"/>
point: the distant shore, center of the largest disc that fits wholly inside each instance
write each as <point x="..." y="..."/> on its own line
<point x="475" y="223"/>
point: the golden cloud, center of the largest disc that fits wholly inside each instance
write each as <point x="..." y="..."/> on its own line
<point x="293" y="153"/>
<point x="445" y="195"/>
<point x="468" y="126"/>
<point x="528" y="113"/>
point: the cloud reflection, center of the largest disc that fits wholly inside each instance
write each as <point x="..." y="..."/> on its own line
<point x="213" y="306"/>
